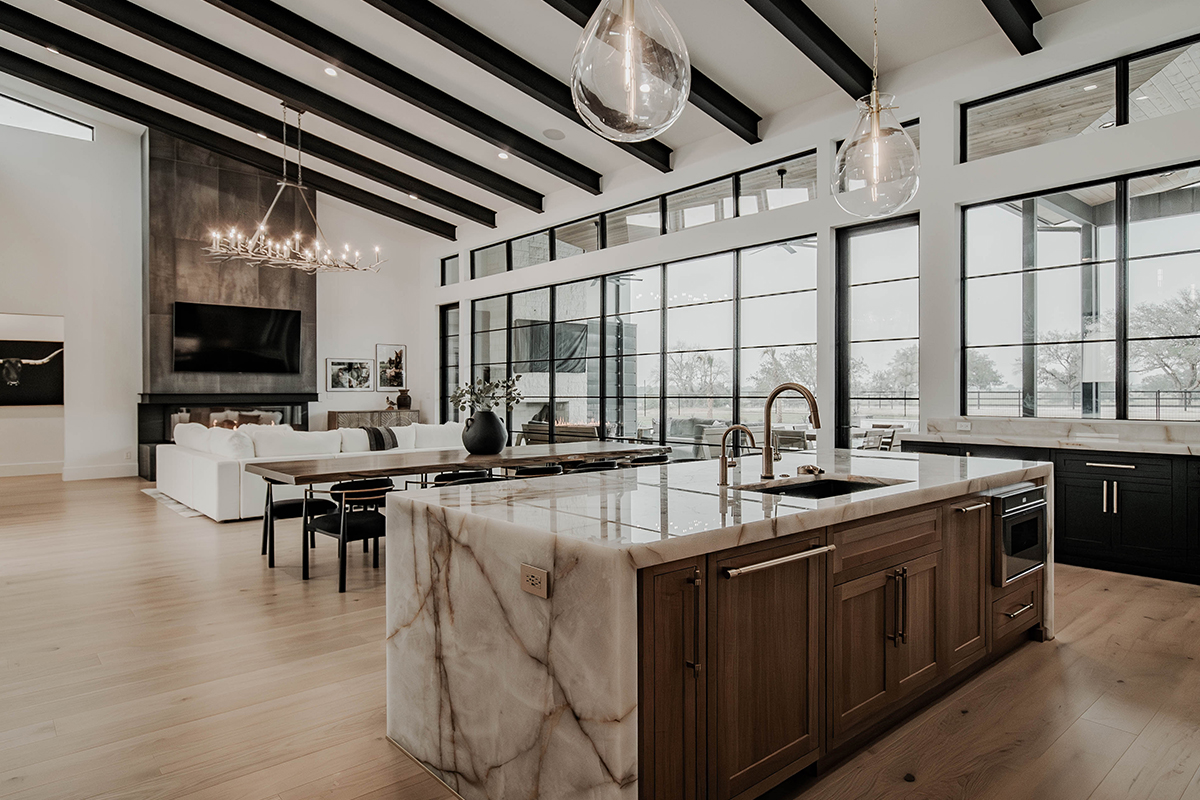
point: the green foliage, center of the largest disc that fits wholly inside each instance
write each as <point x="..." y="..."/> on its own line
<point x="485" y="395"/>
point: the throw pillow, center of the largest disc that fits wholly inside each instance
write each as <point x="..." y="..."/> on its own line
<point x="440" y="437"/>
<point x="354" y="440"/>
<point x="406" y="437"/>
<point x="380" y="438"/>
<point x="192" y="435"/>
<point x="278" y="442"/>
<point x="230" y="444"/>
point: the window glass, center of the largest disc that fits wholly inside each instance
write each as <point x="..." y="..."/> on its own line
<point x="578" y="237"/>
<point x="1072" y="107"/>
<point x="778" y="185"/>
<point x="449" y="361"/>
<point x="1164" y="83"/>
<point x="633" y="223"/>
<point x="529" y="251"/>
<point x="489" y="260"/>
<point x="775" y="268"/>
<point x="700" y="280"/>
<point x="449" y="270"/>
<point x="701" y="205"/>
<point x="580" y="300"/>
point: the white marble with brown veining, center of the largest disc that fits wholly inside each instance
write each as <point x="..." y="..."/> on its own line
<point x="505" y="695"/>
<point x="1166" y="438"/>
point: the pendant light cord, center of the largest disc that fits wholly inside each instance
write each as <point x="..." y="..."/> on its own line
<point x="875" y="51"/>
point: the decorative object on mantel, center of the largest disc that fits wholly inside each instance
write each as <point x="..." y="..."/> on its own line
<point x="403" y="400"/>
<point x="485" y="434"/>
<point x="391" y="363"/>
<point x="631" y="75"/>
<point x="349" y="375"/>
<point x="390" y="405"/>
<point x="288" y="252"/>
<point x="875" y="173"/>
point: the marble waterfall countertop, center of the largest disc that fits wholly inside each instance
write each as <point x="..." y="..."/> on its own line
<point x="506" y="695"/>
<point x="1165" y="438"/>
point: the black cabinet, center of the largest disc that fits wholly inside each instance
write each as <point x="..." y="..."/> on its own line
<point x="1118" y="511"/>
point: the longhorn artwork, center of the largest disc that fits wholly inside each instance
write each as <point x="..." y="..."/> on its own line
<point x="31" y="373"/>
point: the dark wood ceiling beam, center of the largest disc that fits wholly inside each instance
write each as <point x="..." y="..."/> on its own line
<point x="817" y="41"/>
<point x="90" y="52"/>
<point x="119" y="105"/>
<point x="1017" y="18"/>
<point x="172" y="36"/>
<point x="487" y="54"/>
<point x="344" y="54"/>
<point x="706" y="94"/>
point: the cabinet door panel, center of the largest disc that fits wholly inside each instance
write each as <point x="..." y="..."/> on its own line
<point x="863" y="616"/>
<point x="1084" y="521"/>
<point x="916" y="659"/>
<point x="672" y="697"/>
<point x="967" y="538"/>
<point x="765" y="654"/>
<point x="1144" y="521"/>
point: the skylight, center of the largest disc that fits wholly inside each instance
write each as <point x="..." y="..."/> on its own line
<point x="18" y="114"/>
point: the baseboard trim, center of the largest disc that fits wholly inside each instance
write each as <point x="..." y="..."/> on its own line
<point x="31" y="468"/>
<point x="102" y="471"/>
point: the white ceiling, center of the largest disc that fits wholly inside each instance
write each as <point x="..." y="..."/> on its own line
<point x="727" y="39"/>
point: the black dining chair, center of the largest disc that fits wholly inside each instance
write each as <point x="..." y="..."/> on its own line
<point x="447" y="478"/>
<point x="603" y="465"/>
<point x="476" y="479"/>
<point x="357" y="518"/>
<point x="645" y="461"/>
<point x="292" y="508"/>
<point x="543" y="471"/>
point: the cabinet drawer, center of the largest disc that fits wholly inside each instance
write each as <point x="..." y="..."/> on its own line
<point x="1115" y="465"/>
<point x="1017" y="607"/>
<point x="876" y="543"/>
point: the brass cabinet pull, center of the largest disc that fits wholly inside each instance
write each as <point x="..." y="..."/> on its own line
<point x="1114" y="497"/>
<point x="1019" y="611"/>
<point x="1104" y="499"/>
<point x="896" y="624"/>
<point x="733" y="572"/>
<point x="969" y="509"/>
<point x="1102" y="465"/>
<point x="904" y="632"/>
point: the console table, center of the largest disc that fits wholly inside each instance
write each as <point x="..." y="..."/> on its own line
<point x="392" y="418"/>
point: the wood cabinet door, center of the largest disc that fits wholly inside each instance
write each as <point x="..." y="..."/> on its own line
<point x="967" y="538"/>
<point x="765" y="635"/>
<point x="862" y="637"/>
<point x="1083" y="517"/>
<point x="915" y="664"/>
<point x="671" y="696"/>
<point x="1144" y="521"/>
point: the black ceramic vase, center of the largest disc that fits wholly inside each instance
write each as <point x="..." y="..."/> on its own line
<point x="485" y="434"/>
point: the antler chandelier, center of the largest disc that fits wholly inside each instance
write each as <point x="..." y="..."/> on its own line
<point x="259" y="250"/>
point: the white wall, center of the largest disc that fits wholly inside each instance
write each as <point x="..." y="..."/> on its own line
<point x="931" y="90"/>
<point x="72" y="247"/>
<point x="357" y="311"/>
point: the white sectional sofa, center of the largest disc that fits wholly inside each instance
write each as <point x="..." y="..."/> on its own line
<point x="206" y="467"/>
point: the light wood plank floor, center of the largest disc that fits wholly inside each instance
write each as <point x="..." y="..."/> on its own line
<point x="146" y="655"/>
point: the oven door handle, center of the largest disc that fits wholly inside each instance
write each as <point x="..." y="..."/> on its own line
<point x="1040" y="504"/>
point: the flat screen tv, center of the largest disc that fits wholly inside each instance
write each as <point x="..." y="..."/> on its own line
<point x="212" y="338"/>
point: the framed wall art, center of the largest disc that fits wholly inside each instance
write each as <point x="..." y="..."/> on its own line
<point x="391" y="362"/>
<point x="349" y="375"/>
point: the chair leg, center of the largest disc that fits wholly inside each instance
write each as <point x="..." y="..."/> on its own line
<point x="304" y="543"/>
<point x="342" y="564"/>
<point x="266" y="519"/>
<point x="366" y="545"/>
<point x="375" y="547"/>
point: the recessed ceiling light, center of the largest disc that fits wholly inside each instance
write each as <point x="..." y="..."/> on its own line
<point x="554" y="134"/>
<point x="412" y="197"/>
<point x="331" y="72"/>
<point x="262" y="136"/>
<point x="502" y="154"/>
<point x="1089" y="88"/>
<point x="1143" y="97"/>
<point x="1166" y="174"/>
<point x="52" y="50"/>
<point x="1108" y="124"/>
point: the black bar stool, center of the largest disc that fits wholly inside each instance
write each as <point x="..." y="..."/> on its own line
<point x="285" y="509"/>
<point x="357" y="518"/>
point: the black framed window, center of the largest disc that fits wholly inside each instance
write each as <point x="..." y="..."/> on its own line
<point x="450" y="274"/>
<point x="489" y="260"/>
<point x="878" y="351"/>
<point x="1084" y="303"/>
<point x="449" y="360"/>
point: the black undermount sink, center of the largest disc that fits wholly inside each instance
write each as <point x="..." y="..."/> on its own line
<point x="820" y="487"/>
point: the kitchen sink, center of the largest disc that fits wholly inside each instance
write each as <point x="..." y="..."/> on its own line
<point x="820" y="486"/>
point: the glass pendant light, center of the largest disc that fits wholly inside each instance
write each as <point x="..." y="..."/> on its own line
<point x="631" y="75"/>
<point x="876" y="170"/>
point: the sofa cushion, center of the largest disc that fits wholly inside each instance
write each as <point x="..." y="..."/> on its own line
<point x="252" y="430"/>
<point x="406" y="437"/>
<point x="354" y="440"/>
<point x="193" y="436"/>
<point x="230" y="443"/>
<point x="442" y="436"/>
<point x="297" y="443"/>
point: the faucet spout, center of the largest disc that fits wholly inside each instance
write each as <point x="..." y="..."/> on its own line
<point x="768" y="468"/>
<point x="723" y="478"/>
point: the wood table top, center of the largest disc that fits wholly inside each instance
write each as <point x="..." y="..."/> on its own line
<point x="331" y="469"/>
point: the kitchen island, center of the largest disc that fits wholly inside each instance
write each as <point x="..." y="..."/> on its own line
<point x="695" y="641"/>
